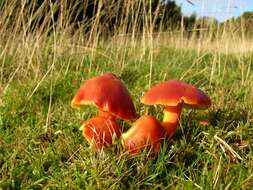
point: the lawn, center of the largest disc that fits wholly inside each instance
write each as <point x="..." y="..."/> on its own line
<point x="41" y="146"/>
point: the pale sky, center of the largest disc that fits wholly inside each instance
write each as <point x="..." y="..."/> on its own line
<point x="220" y="9"/>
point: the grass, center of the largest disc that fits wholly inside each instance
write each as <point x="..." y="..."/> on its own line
<point x="41" y="146"/>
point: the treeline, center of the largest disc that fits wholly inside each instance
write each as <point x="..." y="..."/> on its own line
<point x="105" y="17"/>
<point x="109" y="17"/>
<point x="242" y="24"/>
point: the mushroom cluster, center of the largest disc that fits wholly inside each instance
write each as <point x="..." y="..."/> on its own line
<point x="113" y="101"/>
<point x="109" y="94"/>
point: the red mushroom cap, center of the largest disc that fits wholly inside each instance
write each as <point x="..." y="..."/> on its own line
<point x="107" y="93"/>
<point x="175" y="92"/>
<point x="99" y="131"/>
<point x="147" y="132"/>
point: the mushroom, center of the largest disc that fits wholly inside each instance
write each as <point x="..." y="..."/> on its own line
<point x="99" y="131"/>
<point x="175" y="95"/>
<point x="147" y="132"/>
<point x="108" y="94"/>
<point x="112" y="99"/>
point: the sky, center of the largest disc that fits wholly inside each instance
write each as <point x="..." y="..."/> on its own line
<point x="220" y="9"/>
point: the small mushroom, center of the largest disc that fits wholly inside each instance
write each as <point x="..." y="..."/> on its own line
<point x="99" y="131"/>
<point x="112" y="99"/>
<point x="147" y="132"/>
<point x="175" y="95"/>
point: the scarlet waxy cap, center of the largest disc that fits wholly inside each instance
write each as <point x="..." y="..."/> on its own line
<point x="99" y="131"/>
<point x="147" y="132"/>
<point x="108" y="94"/>
<point x="175" y="92"/>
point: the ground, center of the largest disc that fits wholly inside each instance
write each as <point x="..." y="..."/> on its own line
<point x="41" y="146"/>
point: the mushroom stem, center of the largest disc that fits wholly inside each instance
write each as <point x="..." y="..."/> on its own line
<point x="171" y="119"/>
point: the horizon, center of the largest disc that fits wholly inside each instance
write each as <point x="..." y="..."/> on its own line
<point x="219" y="9"/>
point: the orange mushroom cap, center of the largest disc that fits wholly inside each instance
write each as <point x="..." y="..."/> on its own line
<point x="175" y="92"/>
<point x="107" y="93"/>
<point x="147" y="132"/>
<point x="99" y="131"/>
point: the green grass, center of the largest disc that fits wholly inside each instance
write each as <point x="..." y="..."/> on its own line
<point x="41" y="146"/>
